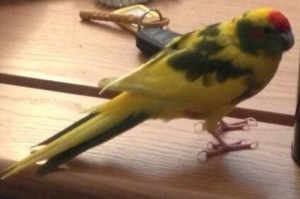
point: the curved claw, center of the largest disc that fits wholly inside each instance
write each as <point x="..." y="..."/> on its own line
<point x="202" y="156"/>
<point x="254" y="145"/>
<point x="247" y="123"/>
<point x="211" y="145"/>
<point x="251" y="121"/>
<point x="199" y="123"/>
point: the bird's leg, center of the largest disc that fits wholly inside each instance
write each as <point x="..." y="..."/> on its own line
<point x="214" y="149"/>
<point x="223" y="127"/>
<point x="245" y="124"/>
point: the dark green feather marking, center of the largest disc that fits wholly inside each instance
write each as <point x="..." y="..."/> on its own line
<point x="211" y="30"/>
<point x="208" y="47"/>
<point x="196" y="62"/>
<point x="68" y="129"/>
<point x="196" y="65"/>
<point x="127" y="123"/>
<point x="254" y="38"/>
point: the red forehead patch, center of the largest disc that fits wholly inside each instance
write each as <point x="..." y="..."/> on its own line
<point x="280" y="22"/>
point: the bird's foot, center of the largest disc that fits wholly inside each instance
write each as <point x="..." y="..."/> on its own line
<point x="245" y="124"/>
<point x="215" y="149"/>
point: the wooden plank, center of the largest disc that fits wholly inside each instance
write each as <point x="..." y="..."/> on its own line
<point x="45" y="39"/>
<point x="238" y="112"/>
<point x="153" y="160"/>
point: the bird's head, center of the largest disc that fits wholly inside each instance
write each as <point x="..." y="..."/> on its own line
<point x="264" y="30"/>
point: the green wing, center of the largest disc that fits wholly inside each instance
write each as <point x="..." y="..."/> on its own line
<point x="187" y="71"/>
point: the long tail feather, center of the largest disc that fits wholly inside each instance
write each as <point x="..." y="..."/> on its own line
<point x="111" y="119"/>
<point x="127" y="123"/>
<point x="66" y="130"/>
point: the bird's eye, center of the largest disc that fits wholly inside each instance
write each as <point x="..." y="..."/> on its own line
<point x="267" y="29"/>
<point x="257" y="33"/>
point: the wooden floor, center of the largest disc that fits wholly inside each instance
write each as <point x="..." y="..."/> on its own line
<point x="50" y="65"/>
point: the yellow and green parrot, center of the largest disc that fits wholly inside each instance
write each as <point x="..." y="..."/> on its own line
<point x="202" y="75"/>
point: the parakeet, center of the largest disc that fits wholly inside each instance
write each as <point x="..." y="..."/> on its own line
<point x="201" y="75"/>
